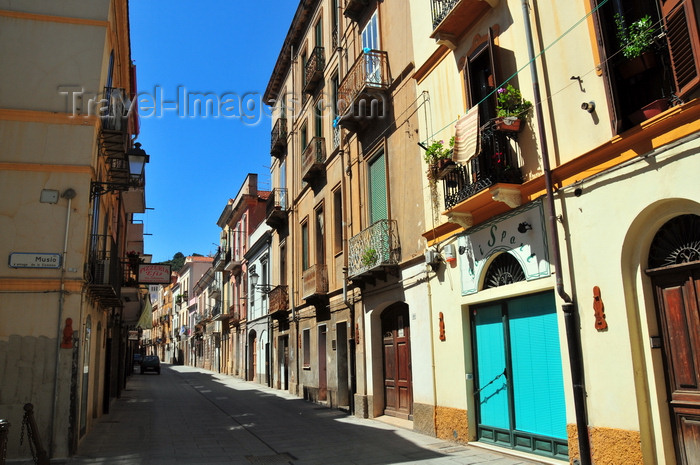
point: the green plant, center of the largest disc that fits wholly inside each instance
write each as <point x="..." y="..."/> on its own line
<point x="369" y="258"/>
<point x="510" y="102"/>
<point x="636" y="38"/>
<point x="437" y="151"/>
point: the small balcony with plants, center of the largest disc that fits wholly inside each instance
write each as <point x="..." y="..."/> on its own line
<point x="276" y="208"/>
<point x="278" y="138"/>
<point x="452" y="18"/>
<point x="364" y="93"/>
<point x="373" y="251"/>
<point x="313" y="159"/>
<point x="314" y="282"/>
<point x="313" y="73"/>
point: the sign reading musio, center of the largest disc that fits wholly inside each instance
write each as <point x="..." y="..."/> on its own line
<point x="34" y="260"/>
<point x="153" y="273"/>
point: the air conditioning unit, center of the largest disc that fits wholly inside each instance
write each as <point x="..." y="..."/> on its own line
<point x="101" y="272"/>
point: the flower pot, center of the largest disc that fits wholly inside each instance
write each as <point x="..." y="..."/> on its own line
<point x="637" y="65"/>
<point x="444" y="166"/>
<point x="508" y="124"/>
<point x="649" y="111"/>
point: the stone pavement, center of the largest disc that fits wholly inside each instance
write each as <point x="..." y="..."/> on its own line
<point x="192" y="416"/>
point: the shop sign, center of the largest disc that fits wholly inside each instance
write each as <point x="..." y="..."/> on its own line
<point x="153" y="273"/>
<point x="528" y="245"/>
<point x="34" y="260"/>
<point x="133" y="335"/>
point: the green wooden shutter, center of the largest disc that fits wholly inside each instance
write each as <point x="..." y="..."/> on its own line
<point x="377" y="190"/>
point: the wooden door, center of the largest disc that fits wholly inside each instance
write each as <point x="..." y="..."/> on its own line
<point x="398" y="392"/>
<point x="322" y="366"/>
<point x="677" y="289"/>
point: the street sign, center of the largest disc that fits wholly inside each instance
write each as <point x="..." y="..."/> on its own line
<point x="34" y="260"/>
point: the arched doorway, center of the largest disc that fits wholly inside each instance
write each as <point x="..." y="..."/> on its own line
<point x="674" y="268"/>
<point x="519" y="383"/>
<point x="396" y="341"/>
<point x="252" y="355"/>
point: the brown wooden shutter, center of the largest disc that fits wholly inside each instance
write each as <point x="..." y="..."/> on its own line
<point x="683" y="43"/>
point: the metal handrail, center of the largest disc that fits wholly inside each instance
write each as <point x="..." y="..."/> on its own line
<point x="373" y="247"/>
<point x="440" y="10"/>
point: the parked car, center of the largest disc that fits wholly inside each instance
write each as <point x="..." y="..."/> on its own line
<point x="137" y="359"/>
<point x="150" y="363"/>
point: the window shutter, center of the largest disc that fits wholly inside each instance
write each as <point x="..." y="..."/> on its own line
<point x="377" y="190"/>
<point x="683" y="43"/>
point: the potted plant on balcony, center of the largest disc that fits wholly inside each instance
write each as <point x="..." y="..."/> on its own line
<point x="134" y="259"/>
<point x="369" y="258"/>
<point x="635" y="41"/>
<point x="511" y="109"/>
<point x="439" y="158"/>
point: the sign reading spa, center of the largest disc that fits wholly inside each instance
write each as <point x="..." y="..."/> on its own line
<point x="520" y="233"/>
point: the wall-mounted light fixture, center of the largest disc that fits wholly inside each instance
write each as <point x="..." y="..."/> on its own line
<point x="136" y="159"/>
<point x="254" y="278"/>
<point x="524" y="227"/>
<point x="588" y="106"/>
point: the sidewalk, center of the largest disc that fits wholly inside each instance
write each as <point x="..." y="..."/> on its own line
<point x="192" y="416"/>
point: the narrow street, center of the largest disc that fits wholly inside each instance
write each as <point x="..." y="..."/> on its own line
<point x="192" y="416"/>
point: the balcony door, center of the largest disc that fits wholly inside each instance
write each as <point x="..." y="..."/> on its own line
<point x="378" y="205"/>
<point x="370" y="41"/>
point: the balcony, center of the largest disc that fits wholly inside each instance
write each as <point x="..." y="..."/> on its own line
<point x="375" y="249"/>
<point x="496" y="164"/>
<point x="313" y="159"/>
<point x="276" y="208"/>
<point x="214" y="291"/>
<point x="234" y="314"/>
<point x="313" y="73"/>
<point x="278" y="138"/>
<point x="220" y="259"/>
<point x="363" y="94"/>
<point x="113" y="136"/>
<point x="103" y="271"/>
<point x="315" y="282"/>
<point x="279" y="300"/>
<point x="354" y="8"/>
<point x="134" y="200"/>
<point x="233" y="263"/>
<point x="452" y="18"/>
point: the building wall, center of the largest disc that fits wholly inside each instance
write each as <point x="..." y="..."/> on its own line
<point x="48" y="49"/>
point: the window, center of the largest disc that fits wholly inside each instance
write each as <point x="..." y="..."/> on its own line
<point x="320" y="236"/>
<point x="306" y="347"/>
<point x="378" y="208"/>
<point x="318" y="33"/>
<point x="370" y="34"/>
<point x="481" y="79"/>
<point x="318" y="118"/>
<point x="303" y="137"/>
<point x="335" y="24"/>
<point x="633" y="81"/>
<point x="283" y="264"/>
<point x="337" y="221"/>
<point x="305" y="245"/>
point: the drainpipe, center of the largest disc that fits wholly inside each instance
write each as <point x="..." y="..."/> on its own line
<point x="573" y="337"/>
<point x="67" y="194"/>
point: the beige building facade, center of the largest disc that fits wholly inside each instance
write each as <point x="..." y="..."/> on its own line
<point x="70" y="290"/>
<point x="556" y="301"/>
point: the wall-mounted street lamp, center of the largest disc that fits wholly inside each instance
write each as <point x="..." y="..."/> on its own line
<point x="137" y="159"/>
<point x="254" y="278"/>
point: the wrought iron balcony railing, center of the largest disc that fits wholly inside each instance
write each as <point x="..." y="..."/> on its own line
<point x="441" y="8"/>
<point x="278" y="138"/>
<point x="276" y="208"/>
<point x="104" y="272"/>
<point x="313" y="159"/>
<point x="373" y="248"/>
<point x="279" y="299"/>
<point x="220" y="259"/>
<point x="314" y="69"/>
<point x="496" y="163"/>
<point x="361" y="95"/>
<point x="315" y="281"/>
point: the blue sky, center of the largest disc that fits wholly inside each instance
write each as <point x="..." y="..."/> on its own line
<point x="228" y="49"/>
